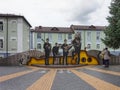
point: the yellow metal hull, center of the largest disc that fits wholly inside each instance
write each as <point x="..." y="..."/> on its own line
<point x="84" y="59"/>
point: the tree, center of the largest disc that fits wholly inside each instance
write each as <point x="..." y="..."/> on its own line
<point x="112" y="31"/>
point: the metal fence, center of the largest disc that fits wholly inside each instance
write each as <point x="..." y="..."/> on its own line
<point x="115" y="60"/>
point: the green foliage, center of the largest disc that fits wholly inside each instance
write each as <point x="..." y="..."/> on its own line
<point x="112" y="32"/>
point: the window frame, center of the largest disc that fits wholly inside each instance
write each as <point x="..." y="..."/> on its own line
<point x="97" y="47"/>
<point x="88" y="46"/>
<point x="1" y="43"/>
<point x="38" y="35"/>
<point x="98" y="36"/>
<point x="89" y="36"/>
<point x="39" y="46"/>
<point x="69" y="35"/>
<point x="1" y="25"/>
<point x="59" y="37"/>
<point x="50" y="37"/>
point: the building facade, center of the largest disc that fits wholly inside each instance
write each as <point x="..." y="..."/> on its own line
<point x="55" y="35"/>
<point x="14" y="34"/>
<point x="90" y="36"/>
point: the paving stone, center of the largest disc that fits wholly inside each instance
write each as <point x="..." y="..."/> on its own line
<point x="64" y="79"/>
<point x="113" y="79"/>
<point x="5" y="70"/>
<point x="22" y="82"/>
<point x="69" y="81"/>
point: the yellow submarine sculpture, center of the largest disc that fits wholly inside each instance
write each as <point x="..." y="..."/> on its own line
<point x="84" y="59"/>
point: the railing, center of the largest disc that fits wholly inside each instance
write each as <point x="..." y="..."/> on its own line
<point x="115" y="60"/>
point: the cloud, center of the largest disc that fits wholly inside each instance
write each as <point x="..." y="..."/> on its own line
<point x="82" y="11"/>
<point x="56" y="12"/>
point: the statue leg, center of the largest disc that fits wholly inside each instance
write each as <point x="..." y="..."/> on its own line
<point x="63" y="59"/>
<point x="78" y="57"/>
<point x="73" y="52"/>
<point x="47" y="58"/>
<point x="66" y="58"/>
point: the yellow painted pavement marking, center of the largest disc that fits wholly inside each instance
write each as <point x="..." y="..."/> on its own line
<point x="95" y="82"/>
<point x="7" y="77"/>
<point x="45" y="82"/>
<point x="105" y="71"/>
<point x="33" y="67"/>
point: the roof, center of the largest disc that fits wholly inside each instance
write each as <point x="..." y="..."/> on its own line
<point x="53" y="29"/>
<point x="83" y="27"/>
<point x="13" y="15"/>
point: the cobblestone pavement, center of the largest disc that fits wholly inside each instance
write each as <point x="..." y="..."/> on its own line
<point x="80" y="78"/>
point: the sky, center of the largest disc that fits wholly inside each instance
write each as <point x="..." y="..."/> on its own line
<point x="59" y="13"/>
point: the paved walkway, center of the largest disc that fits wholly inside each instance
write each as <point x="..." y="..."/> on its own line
<point x="80" y="78"/>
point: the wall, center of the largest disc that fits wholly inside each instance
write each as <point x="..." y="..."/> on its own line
<point x="26" y="36"/>
<point x="18" y="35"/>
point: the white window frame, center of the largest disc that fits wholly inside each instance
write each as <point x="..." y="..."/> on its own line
<point x="59" y="37"/>
<point x="69" y="35"/>
<point x="38" y="37"/>
<point x="13" y="21"/>
<point x="50" y="37"/>
<point x="2" y="43"/>
<point x="88" y="46"/>
<point x="13" y="38"/>
<point x="37" y="46"/>
<point x="1" y="26"/>
<point x="98" y="36"/>
<point x="89" y="36"/>
<point x="97" y="46"/>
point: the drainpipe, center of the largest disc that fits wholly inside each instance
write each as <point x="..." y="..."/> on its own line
<point x="7" y="37"/>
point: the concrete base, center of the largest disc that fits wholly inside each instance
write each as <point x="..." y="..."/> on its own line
<point x="57" y="66"/>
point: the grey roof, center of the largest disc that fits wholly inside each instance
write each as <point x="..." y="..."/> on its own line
<point x="13" y="15"/>
<point x="83" y="27"/>
<point x="53" y="29"/>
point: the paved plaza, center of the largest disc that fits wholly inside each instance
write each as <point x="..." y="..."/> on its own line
<point x="78" y="78"/>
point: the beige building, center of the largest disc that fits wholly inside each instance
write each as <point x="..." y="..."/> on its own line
<point x="55" y="34"/>
<point x="14" y="34"/>
<point x="90" y="36"/>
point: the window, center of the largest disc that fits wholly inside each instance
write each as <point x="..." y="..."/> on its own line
<point x="98" y="46"/>
<point x="69" y="36"/>
<point x="88" y="46"/>
<point x="1" y="43"/>
<point x="13" y="25"/>
<point x="59" y="37"/>
<point x="14" y="21"/>
<point x="50" y="37"/>
<point x="88" y="36"/>
<point x="1" y="26"/>
<point x="38" y="35"/>
<point x="38" y="46"/>
<point x="13" y="38"/>
<point x="98" y="36"/>
<point x="13" y="49"/>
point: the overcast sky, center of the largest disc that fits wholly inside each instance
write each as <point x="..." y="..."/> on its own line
<point x="59" y="13"/>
